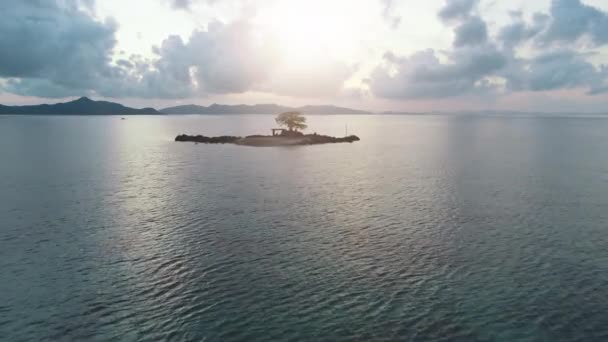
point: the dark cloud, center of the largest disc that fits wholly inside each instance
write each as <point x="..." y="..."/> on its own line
<point x="169" y="76"/>
<point x="53" y="43"/>
<point x="571" y="20"/>
<point x="59" y="49"/>
<point x="478" y="62"/>
<point x="41" y="87"/>
<point x="423" y="75"/>
<point x="470" y="65"/>
<point x="568" y="21"/>
<point x="471" y="32"/>
<point x="554" y="70"/>
<point x="558" y="66"/>
<point x="181" y="4"/>
<point x="55" y="49"/>
<point x="227" y="58"/>
<point x="457" y="9"/>
<point x="601" y="85"/>
<point x="222" y="59"/>
<point x="519" y="31"/>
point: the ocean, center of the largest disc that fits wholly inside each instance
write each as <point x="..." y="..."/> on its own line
<point x="431" y="228"/>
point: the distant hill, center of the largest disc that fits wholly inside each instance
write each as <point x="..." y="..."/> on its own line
<point x="82" y="106"/>
<point x="258" y="109"/>
<point x="86" y="106"/>
<point x="390" y="112"/>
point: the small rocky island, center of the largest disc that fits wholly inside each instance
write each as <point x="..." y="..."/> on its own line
<point x="294" y="121"/>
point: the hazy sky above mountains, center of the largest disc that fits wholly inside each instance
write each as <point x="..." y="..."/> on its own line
<point x="549" y="55"/>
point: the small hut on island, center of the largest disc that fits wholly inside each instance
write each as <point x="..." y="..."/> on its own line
<point x="277" y="131"/>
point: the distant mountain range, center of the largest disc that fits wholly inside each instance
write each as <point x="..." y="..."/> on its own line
<point x="258" y="109"/>
<point x="86" y="106"/>
<point x="82" y="106"/>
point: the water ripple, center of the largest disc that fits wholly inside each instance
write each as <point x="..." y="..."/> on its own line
<point x="437" y="231"/>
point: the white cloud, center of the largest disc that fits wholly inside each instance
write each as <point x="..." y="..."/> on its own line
<point x="478" y="65"/>
<point x="384" y="49"/>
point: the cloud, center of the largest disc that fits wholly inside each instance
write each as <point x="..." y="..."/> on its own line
<point x="562" y="69"/>
<point x="457" y="9"/>
<point x="572" y="20"/>
<point x="60" y="48"/>
<point x="423" y="75"/>
<point x="53" y="43"/>
<point x="228" y="59"/>
<point x="472" y="32"/>
<point x="467" y="71"/>
<point x="223" y="59"/>
<point x="480" y="64"/>
<point x="57" y="49"/>
<point x="54" y="49"/>
<point x="40" y="87"/>
<point x="568" y="21"/>
<point x="387" y="13"/>
<point x="519" y="31"/>
<point x="169" y="76"/>
<point x="181" y="4"/>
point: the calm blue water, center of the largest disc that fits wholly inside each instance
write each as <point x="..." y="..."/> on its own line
<point x="430" y="228"/>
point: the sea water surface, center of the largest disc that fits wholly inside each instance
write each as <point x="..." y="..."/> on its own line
<point x="431" y="228"/>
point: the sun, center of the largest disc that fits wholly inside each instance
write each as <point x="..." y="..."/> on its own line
<point x="307" y="30"/>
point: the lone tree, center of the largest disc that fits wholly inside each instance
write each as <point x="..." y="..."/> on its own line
<point x="293" y="120"/>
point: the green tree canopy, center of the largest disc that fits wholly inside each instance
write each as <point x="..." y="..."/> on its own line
<point x="292" y="120"/>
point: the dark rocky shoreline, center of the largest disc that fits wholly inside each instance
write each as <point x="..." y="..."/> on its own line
<point x="268" y="140"/>
<point x="224" y="139"/>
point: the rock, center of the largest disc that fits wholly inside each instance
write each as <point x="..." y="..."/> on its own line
<point x="224" y="139"/>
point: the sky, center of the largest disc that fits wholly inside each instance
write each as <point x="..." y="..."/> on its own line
<point x="378" y="55"/>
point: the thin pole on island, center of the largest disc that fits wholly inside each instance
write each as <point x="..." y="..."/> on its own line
<point x="346" y="130"/>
